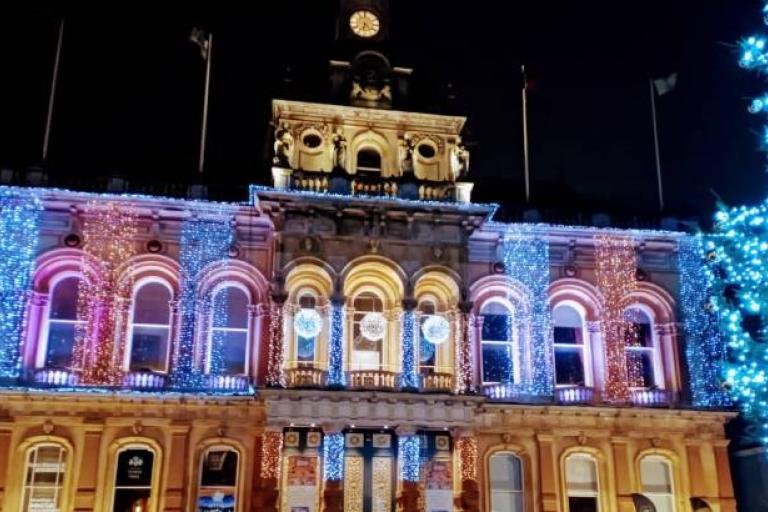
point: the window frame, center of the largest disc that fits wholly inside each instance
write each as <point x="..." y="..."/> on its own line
<point x="130" y="324"/>
<point x="212" y="330"/>
<point x="670" y="467"/>
<point x="203" y="451"/>
<point x="366" y="169"/>
<point x="584" y="347"/>
<point x="45" y="330"/>
<point x="522" y="492"/>
<point x="567" y="493"/>
<point x="355" y="323"/>
<point x="139" y="444"/>
<point x="513" y="343"/>
<point x="67" y="464"/>
<point x="655" y="348"/>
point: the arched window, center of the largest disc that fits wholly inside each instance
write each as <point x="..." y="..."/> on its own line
<point x="427" y="350"/>
<point x="62" y="324"/>
<point x="497" y="340"/>
<point x="582" y="485"/>
<point x="218" y="479"/>
<point x="45" y="471"/>
<point x="368" y="160"/>
<point x="368" y="332"/>
<point x="571" y="357"/>
<point x="150" y="328"/>
<point x="133" y="479"/>
<point x="229" y="329"/>
<point x="656" y="481"/>
<point x="506" y="480"/>
<point x="641" y="349"/>
<point x="306" y="346"/>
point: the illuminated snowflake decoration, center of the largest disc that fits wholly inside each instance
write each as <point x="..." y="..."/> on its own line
<point x="373" y="326"/>
<point x="308" y="323"/>
<point x="436" y="329"/>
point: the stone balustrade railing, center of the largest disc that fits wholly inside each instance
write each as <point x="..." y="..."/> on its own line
<point x="227" y="383"/>
<point x="575" y="395"/>
<point x="56" y="377"/>
<point x="371" y="379"/>
<point x="437" y="382"/>
<point x="305" y="377"/>
<point x="650" y="397"/>
<point x="144" y="380"/>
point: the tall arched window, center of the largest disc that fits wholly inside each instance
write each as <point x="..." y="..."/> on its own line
<point x="571" y="357"/>
<point x="497" y="341"/>
<point x="506" y="480"/>
<point x="641" y="349"/>
<point x="306" y="345"/>
<point x="367" y="336"/>
<point x="582" y="485"/>
<point x="218" y="479"/>
<point x="229" y="329"/>
<point x="150" y="328"/>
<point x="368" y="160"/>
<point x="656" y="481"/>
<point x="134" y="474"/>
<point x="427" y="350"/>
<point x="45" y="472"/>
<point x="62" y="324"/>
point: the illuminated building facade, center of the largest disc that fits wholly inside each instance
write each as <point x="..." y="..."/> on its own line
<point x="360" y="336"/>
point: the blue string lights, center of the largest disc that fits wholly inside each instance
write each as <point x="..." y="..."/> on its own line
<point x="705" y="348"/>
<point x="203" y="241"/>
<point x="19" y="232"/>
<point x="336" y="345"/>
<point x="526" y="260"/>
<point x="333" y="456"/>
<point x="409" y="448"/>
<point x="409" y="379"/>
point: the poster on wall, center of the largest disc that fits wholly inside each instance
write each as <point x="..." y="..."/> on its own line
<point x="301" y="484"/>
<point x="439" y="486"/>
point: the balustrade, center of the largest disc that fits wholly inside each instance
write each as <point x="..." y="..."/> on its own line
<point x="372" y="379"/>
<point x="575" y="395"/>
<point x="305" y="377"/>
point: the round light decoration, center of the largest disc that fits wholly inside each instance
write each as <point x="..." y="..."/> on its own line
<point x="436" y="329"/>
<point x="308" y="323"/>
<point x="372" y="326"/>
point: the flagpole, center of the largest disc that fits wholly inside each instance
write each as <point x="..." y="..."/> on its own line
<point x="208" y="54"/>
<point x="52" y="94"/>
<point x="525" y="138"/>
<point x="656" y="145"/>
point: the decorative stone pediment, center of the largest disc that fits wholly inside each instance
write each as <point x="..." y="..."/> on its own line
<point x="305" y="407"/>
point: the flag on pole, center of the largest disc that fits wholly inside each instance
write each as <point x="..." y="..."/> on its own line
<point x="665" y="85"/>
<point x="200" y="38"/>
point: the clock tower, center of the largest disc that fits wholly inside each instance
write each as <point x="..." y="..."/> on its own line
<point x="363" y="22"/>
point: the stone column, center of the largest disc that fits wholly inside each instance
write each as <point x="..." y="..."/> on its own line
<point x="623" y="473"/>
<point x="725" y="484"/>
<point x="548" y="471"/>
<point x="409" y="455"/>
<point x="597" y="356"/>
<point x="336" y="343"/>
<point x="5" y="457"/>
<point x="333" y="468"/>
<point x="87" y="478"/>
<point x="35" y="318"/>
<point x="466" y="447"/>
<point x="276" y="356"/>
<point x="267" y="492"/>
<point x="177" y="464"/>
<point x="409" y="379"/>
<point x="465" y="367"/>
<point x="666" y="336"/>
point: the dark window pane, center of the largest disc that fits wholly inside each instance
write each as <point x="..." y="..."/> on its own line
<point x="152" y="305"/>
<point x="233" y="346"/>
<point x="426" y="353"/>
<point x="639" y="335"/>
<point x="579" y="504"/>
<point x="570" y="335"/>
<point x="569" y="367"/>
<point x="149" y="350"/>
<point x="64" y="299"/>
<point x="219" y="468"/>
<point x="134" y="468"/>
<point x="305" y="349"/>
<point x="368" y="160"/>
<point x="231" y="309"/>
<point x="640" y="368"/>
<point x="61" y="339"/>
<point x="497" y="363"/>
<point x="497" y="327"/>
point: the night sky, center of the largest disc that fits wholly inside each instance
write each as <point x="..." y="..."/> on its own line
<point x="130" y="92"/>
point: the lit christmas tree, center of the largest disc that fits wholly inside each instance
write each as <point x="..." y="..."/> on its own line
<point x="738" y="255"/>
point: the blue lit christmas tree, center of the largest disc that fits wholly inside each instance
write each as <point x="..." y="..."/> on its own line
<point x="738" y="255"/>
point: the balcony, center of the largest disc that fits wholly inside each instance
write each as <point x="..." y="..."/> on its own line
<point x="305" y="377"/>
<point x="144" y="380"/>
<point x="651" y="397"/>
<point x="575" y="395"/>
<point x="509" y="392"/>
<point x="56" y="377"/>
<point x="227" y="383"/>
<point x="437" y="382"/>
<point x="371" y="379"/>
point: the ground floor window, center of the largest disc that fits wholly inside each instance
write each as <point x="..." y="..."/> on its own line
<point x="218" y="480"/>
<point x="133" y="479"/>
<point x="44" y="480"/>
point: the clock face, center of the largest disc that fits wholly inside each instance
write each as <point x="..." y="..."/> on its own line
<point x="364" y="23"/>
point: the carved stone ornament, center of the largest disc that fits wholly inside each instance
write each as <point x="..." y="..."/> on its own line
<point x="308" y="245"/>
<point x="374" y="245"/>
<point x="438" y="253"/>
<point x="48" y="427"/>
<point x="220" y="431"/>
<point x="137" y="428"/>
<point x="582" y="439"/>
<point x="506" y="438"/>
